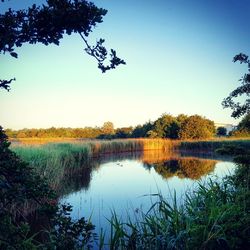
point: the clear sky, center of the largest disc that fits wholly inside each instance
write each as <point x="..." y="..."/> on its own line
<point x="179" y="60"/>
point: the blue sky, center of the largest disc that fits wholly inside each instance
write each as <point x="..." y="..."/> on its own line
<point x="179" y="60"/>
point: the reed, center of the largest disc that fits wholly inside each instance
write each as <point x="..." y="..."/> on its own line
<point x="80" y="150"/>
<point x="53" y="161"/>
<point x="213" y="145"/>
<point x="57" y="160"/>
<point x="214" y="216"/>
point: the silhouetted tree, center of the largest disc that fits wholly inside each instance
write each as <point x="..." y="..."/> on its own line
<point x="245" y="123"/>
<point x="48" y="23"/>
<point x="243" y="128"/>
<point x="19" y="185"/>
<point x="221" y="131"/>
<point x="238" y="108"/>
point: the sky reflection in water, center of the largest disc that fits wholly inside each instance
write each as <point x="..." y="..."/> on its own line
<point x="126" y="185"/>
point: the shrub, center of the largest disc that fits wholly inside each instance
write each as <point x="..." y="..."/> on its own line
<point x="196" y="127"/>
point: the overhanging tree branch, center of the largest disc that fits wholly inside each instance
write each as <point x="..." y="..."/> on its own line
<point x="5" y="84"/>
<point x="240" y="109"/>
<point x="99" y="52"/>
<point x="48" y="23"/>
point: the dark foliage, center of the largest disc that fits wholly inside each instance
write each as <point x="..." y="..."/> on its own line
<point x="23" y="192"/>
<point x="243" y="128"/>
<point x="68" y="234"/>
<point x="221" y="131"/>
<point x="18" y="186"/>
<point x="5" y="84"/>
<point x="48" y="23"/>
<point x="240" y="109"/>
<point x="142" y="131"/>
<point x="244" y="123"/>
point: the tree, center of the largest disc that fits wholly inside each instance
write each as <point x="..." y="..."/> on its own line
<point x="181" y="118"/>
<point x="48" y="23"/>
<point x="152" y="134"/>
<point x="196" y="127"/>
<point x="166" y="126"/>
<point x="243" y="128"/>
<point x="245" y="123"/>
<point x="142" y="131"/>
<point x="221" y="131"/>
<point x="124" y="132"/>
<point x="240" y="109"/>
<point x="108" y="128"/>
<point x="19" y="185"/>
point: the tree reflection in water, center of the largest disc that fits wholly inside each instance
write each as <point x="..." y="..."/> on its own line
<point x="171" y="164"/>
<point x="165" y="164"/>
<point x="185" y="168"/>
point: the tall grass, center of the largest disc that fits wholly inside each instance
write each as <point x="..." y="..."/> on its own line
<point x="214" y="216"/>
<point x="213" y="145"/>
<point x="55" y="160"/>
<point x="68" y="154"/>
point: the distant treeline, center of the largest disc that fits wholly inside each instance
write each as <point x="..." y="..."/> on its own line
<point x="166" y="126"/>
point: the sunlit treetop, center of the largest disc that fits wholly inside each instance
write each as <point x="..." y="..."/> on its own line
<point x="48" y="23"/>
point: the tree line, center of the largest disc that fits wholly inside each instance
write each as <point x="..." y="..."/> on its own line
<point x="166" y="126"/>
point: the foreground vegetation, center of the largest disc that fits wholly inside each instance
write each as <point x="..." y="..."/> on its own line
<point x="215" y="215"/>
<point x="23" y="193"/>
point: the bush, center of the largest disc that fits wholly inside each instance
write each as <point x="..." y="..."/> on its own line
<point x="23" y="192"/>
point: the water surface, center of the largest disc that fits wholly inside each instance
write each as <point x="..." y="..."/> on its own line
<point x="126" y="183"/>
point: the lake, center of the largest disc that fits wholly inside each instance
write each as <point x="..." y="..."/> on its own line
<point x="127" y="183"/>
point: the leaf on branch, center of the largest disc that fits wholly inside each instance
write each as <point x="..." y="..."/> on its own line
<point x="242" y="58"/>
<point x="14" y="54"/>
<point x="5" y="84"/>
<point x="100" y="53"/>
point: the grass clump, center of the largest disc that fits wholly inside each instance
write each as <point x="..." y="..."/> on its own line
<point x="55" y="160"/>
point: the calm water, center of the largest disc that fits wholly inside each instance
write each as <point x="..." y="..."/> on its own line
<point x="126" y="183"/>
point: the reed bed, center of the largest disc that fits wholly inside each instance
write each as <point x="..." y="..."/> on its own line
<point x="213" y="145"/>
<point x="87" y="149"/>
<point x="41" y="141"/>
<point x="55" y="160"/>
<point x="214" y="216"/>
